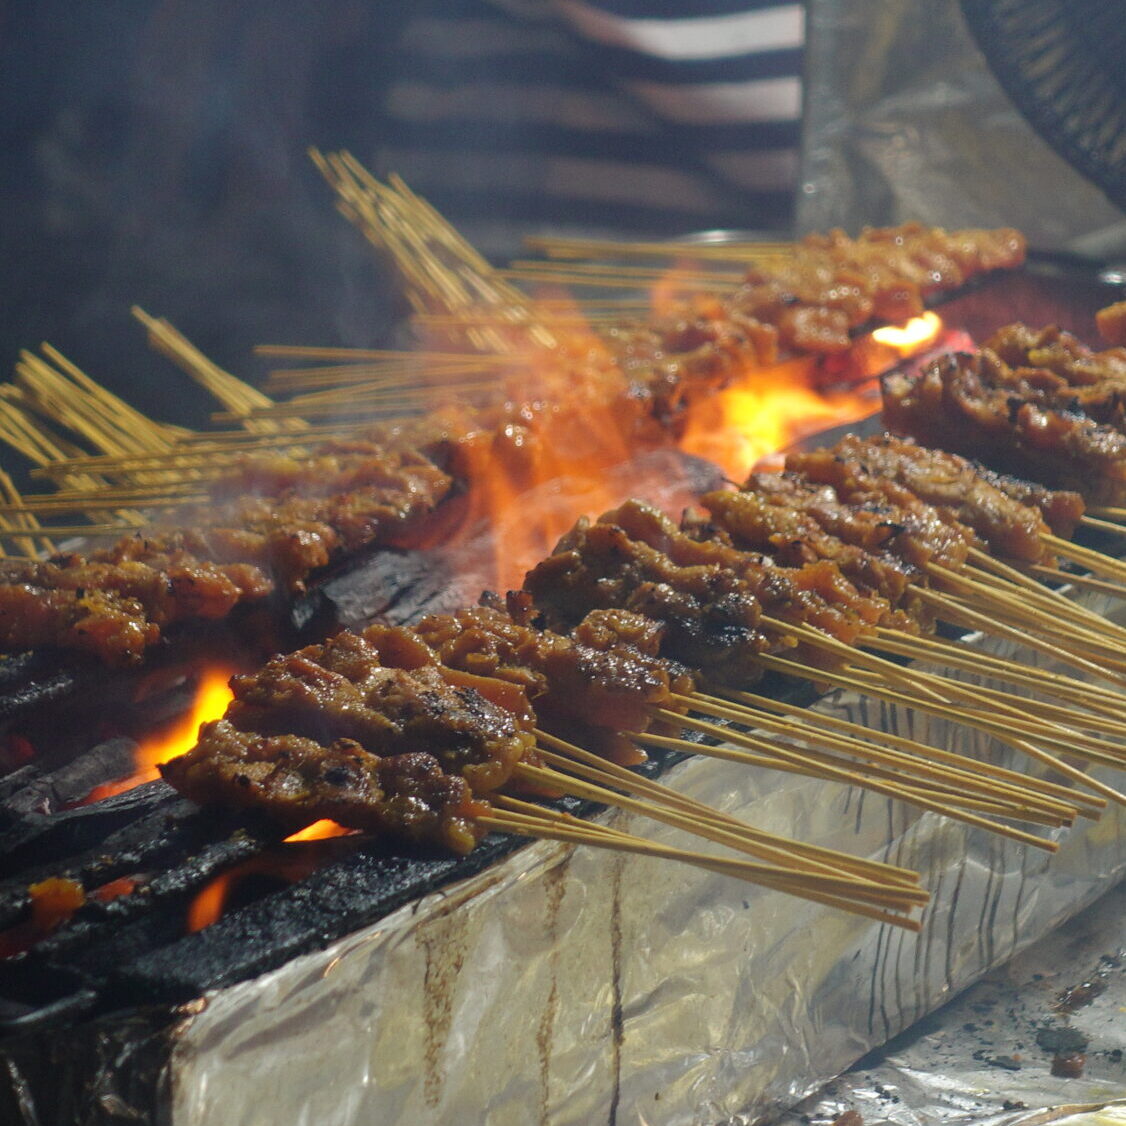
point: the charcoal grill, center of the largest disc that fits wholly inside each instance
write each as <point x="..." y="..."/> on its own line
<point x="92" y="1018"/>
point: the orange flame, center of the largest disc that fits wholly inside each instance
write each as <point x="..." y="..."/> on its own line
<point x="910" y="338"/>
<point x="208" y="905"/>
<point x="289" y="863"/>
<point x="568" y="441"/>
<point x="764" y="412"/>
<point x="778" y="404"/>
<point x="319" y="831"/>
<point x="212" y="697"/>
<point x="557" y="451"/>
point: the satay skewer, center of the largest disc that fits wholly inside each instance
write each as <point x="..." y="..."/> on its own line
<point x="736" y="746"/>
<point x="1056" y="575"/>
<point x="1093" y="710"/>
<point x="997" y="573"/>
<point x="1087" y="805"/>
<point x="1039" y="608"/>
<point x="951" y="770"/>
<point x="961" y="614"/>
<point x="611" y="774"/>
<point x="774" y="853"/>
<point x="818" y="890"/>
<point x="1097" y="561"/>
<point x="871" y="686"/>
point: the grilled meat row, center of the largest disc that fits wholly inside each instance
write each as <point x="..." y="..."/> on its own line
<point x="1032" y="402"/>
<point x="615" y="622"/>
<point x="273" y="520"/>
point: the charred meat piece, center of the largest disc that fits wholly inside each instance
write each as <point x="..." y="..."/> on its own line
<point x="342" y="689"/>
<point x="331" y="731"/>
<point x="798" y="523"/>
<point x="1111" y="323"/>
<point x="701" y="349"/>
<point x="295" y="517"/>
<point x="816" y="594"/>
<point x="707" y="593"/>
<point x="299" y="780"/>
<point x="859" y="468"/>
<point x="1062" y="509"/>
<point x="1061" y="365"/>
<point x="956" y="403"/>
<point x="600" y="674"/>
<point x="709" y="614"/>
<point x="115" y="610"/>
<point x="290" y="516"/>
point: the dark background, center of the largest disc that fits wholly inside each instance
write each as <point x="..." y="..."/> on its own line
<point x="154" y="153"/>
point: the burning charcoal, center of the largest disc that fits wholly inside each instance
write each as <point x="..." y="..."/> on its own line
<point x="48" y="793"/>
<point x="292" y="921"/>
<point x="102" y="935"/>
<point x="29" y="681"/>
<point x="39" y="839"/>
<point x="397" y="586"/>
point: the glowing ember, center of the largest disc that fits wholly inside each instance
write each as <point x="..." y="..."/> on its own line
<point x="208" y="905"/>
<point x="212" y="697"/>
<point x="318" y="831"/>
<point x="908" y="339"/>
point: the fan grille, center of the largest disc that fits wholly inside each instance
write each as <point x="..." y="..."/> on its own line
<point x="1063" y="63"/>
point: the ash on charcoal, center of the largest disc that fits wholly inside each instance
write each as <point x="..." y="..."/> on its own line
<point x="48" y="792"/>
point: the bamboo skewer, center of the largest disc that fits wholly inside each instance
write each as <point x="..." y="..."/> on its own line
<point x="1089" y="521"/>
<point x="70" y="531"/>
<point x="1000" y="575"/>
<point x="928" y="685"/>
<point x="1098" y="711"/>
<point x="1070" y="643"/>
<point x="1083" y="802"/>
<point x="859" y="682"/>
<point x="615" y="775"/>
<point x="955" y="773"/>
<point x="1054" y="574"/>
<point x="777" y="757"/>
<point x="776" y="852"/>
<point x="846" y="770"/>
<point x="823" y="641"/>
<point x="1107" y="511"/>
<point x="551" y="829"/>
<point x="1087" y="557"/>
<point x="1040" y="608"/>
<point x="888" y="894"/>
<point x="958" y="613"/>
<point x="985" y="703"/>
<point x="558" y="247"/>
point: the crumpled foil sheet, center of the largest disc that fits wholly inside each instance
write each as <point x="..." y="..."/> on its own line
<point x="578" y="986"/>
<point x="993" y="1057"/>
<point x="904" y="120"/>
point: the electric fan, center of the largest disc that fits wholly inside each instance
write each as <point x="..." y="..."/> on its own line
<point x="1063" y="63"/>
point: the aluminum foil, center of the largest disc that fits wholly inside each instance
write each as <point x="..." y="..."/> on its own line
<point x="570" y="985"/>
<point x="1020" y="1048"/>
<point x="904" y="120"/>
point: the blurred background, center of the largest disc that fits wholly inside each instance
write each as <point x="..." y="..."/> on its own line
<point x="155" y="150"/>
